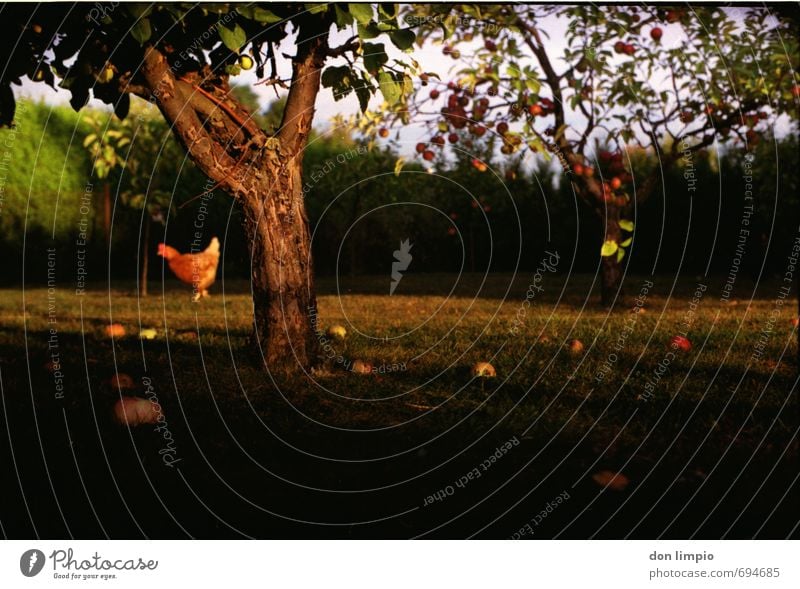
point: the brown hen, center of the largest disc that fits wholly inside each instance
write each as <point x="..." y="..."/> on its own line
<point x="199" y="270"/>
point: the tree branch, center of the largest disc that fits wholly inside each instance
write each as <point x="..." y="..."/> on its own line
<point x="298" y="116"/>
<point x="209" y="155"/>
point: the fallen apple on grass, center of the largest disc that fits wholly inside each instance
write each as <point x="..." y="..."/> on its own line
<point x="115" y="330"/>
<point x="678" y="342"/>
<point x="575" y="346"/>
<point x="337" y="332"/>
<point x="483" y="370"/>
<point x="616" y="481"/>
<point x="148" y="333"/>
<point x="361" y="367"/>
<point x="133" y="411"/>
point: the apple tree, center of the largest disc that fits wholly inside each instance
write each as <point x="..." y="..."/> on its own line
<point x="181" y="57"/>
<point x="590" y="86"/>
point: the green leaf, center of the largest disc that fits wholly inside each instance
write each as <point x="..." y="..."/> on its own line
<point x="368" y="31"/>
<point x="138" y="9"/>
<point x="363" y="93"/>
<point x="343" y="18"/>
<point x="258" y="14"/>
<point x="265" y="16"/>
<point x="387" y="9"/>
<point x="389" y="88"/>
<point x="361" y="12"/>
<point x="626" y="243"/>
<point x="609" y="248"/>
<point x="533" y="85"/>
<point x="317" y="8"/>
<point x="626" y="225"/>
<point x="403" y="39"/>
<point x="141" y="30"/>
<point x="340" y="79"/>
<point x="91" y="138"/>
<point x="332" y="75"/>
<point x="374" y="57"/>
<point x="620" y="255"/>
<point x="234" y="38"/>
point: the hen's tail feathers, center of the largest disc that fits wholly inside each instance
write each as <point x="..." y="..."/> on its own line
<point x="213" y="247"/>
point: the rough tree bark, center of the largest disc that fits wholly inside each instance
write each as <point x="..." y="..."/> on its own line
<point x="144" y="261"/>
<point x="264" y="174"/>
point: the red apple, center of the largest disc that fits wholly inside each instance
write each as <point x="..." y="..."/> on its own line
<point x="615" y="183"/>
<point x="490" y="45"/>
<point x="575" y="346"/>
<point x="383" y="132"/>
<point x="502" y="128"/>
<point x="421" y="147"/>
<point x="428" y="155"/>
<point x="115" y="330"/>
<point x="479" y="165"/>
<point x="619" y="47"/>
<point x="629" y="49"/>
<point x="678" y="342"/>
<point x="452" y="138"/>
<point x="535" y="110"/>
<point x="656" y="34"/>
<point x="434" y="94"/>
<point x="578" y="169"/>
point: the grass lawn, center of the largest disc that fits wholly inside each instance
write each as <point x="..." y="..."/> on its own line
<point x="704" y="439"/>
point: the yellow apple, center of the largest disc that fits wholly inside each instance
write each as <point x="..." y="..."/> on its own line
<point x="337" y="332"/>
<point x="148" y="334"/>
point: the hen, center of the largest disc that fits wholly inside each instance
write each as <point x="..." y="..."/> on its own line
<point x="199" y="270"/>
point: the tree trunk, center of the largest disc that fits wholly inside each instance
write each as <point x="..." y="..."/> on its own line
<point x="611" y="269"/>
<point x="145" y="256"/>
<point x="284" y="303"/>
<point x="107" y="212"/>
<point x="264" y="174"/>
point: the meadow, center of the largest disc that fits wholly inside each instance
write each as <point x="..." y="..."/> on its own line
<point x="702" y="441"/>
